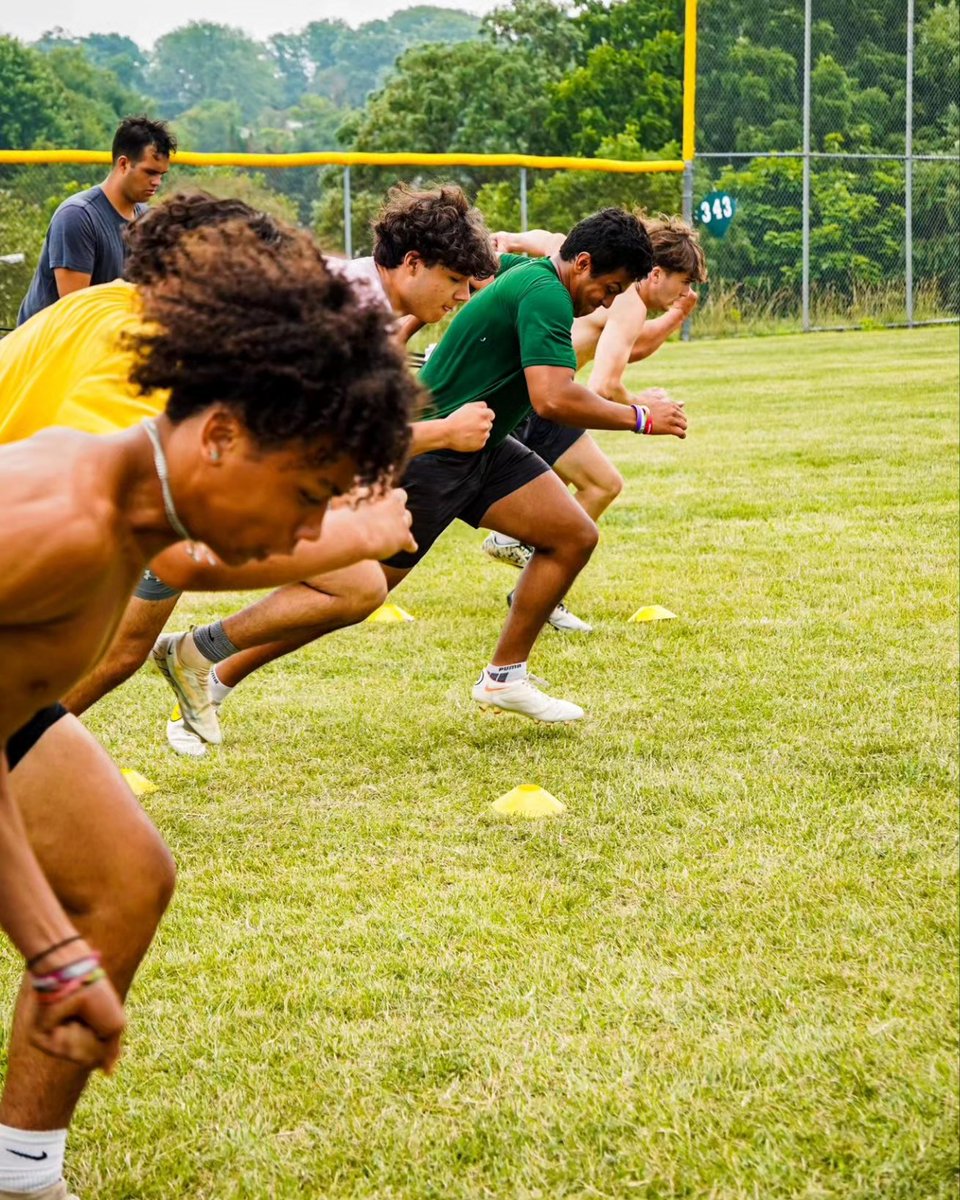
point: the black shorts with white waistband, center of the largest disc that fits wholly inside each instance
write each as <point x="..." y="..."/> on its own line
<point x="447" y="485"/>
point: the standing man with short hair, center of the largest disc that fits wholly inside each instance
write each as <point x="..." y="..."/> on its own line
<point x="84" y="243"/>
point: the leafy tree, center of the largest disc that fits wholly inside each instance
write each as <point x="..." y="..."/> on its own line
<point x="203" y="61"/>
<point x="213" y="126"/>
<point x="616" y="88"/>
<point x="32" y="100"/>
<point x="111" y="51"/>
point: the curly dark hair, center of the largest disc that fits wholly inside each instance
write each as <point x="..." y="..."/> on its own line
<point x="288" y="346"/>
<point x="615" y="240"/>
<point x="150" y="239"/>
<point x="439" y="225"/>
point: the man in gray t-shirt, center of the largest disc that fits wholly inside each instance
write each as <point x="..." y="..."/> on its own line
<point x="84" y="244"/>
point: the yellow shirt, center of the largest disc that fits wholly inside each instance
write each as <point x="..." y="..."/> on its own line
<point x="66" y="366"/>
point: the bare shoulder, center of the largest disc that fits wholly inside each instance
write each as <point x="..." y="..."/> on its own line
<point x="61" y="526"/>
<point x="628" y="311"/>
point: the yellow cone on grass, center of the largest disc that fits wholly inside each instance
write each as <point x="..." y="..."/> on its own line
<point x="140" y="785"/>
<point x="527" y="800"/>
<point x="653" y="612"/>
<point x="388" y="613"/>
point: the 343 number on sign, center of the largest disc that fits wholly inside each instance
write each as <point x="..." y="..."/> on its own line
<point x="715" y="212"/>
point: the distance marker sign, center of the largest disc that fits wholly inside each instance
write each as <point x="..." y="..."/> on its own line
<point x="715" y="212"/>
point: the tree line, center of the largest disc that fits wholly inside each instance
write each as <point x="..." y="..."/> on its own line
<point x="543" y="77"/>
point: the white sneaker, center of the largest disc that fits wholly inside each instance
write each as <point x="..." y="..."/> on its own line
<point x="183" y="740"/>
<point x="524" y="698"/>
<point x="507" y="550"/>
<point x="192" y="688"/>
<point x="562" y="619"/>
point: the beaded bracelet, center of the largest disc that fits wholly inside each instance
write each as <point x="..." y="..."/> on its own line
<point x="55" y="986"/>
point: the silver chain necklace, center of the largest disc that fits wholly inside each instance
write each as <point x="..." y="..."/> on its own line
<point x="163" y="474"/>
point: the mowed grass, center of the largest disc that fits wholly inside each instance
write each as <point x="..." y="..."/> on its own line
<point x="728" y="970"/>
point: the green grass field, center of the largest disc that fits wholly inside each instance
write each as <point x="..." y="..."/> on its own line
<point x="727" y="971"/>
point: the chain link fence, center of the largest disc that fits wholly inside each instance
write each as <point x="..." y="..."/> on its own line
<point x="832" y="138"/>
<point x="338" y="205"/>
<point x="826" y="183"/>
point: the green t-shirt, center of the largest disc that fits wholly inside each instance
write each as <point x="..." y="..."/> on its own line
<point x="523" y="319"/>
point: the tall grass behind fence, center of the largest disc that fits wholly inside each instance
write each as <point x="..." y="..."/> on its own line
<point x="831" y="229"/>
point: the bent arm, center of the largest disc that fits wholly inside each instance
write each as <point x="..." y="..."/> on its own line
<point x="625" y="323"/>
<point x="539" y="243"/>
<point x="428" y="435"/>
<point x="349" y="536"/>
<point x="654" y="333"/>
<point x="556" y="396"/>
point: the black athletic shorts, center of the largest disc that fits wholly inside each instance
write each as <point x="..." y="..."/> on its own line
<point x="446" y="485"/>
<point x="28" y="735"/>
<point x="546" y="438"/>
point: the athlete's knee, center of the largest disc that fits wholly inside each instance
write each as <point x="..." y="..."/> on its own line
<point x="586" y="537"/>
<point x="125" y="657"/>
<point x="148" y="877"/>
<point x="575" y="538"/>
<point x="612" y="485"/>
<point x="371" y="589"/>
<point x="361" y="592"/>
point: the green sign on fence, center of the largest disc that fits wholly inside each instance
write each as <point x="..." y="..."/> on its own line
<point x="716" y="212"/>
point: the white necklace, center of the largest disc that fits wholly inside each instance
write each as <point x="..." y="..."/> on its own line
<point x="163" y="474"/>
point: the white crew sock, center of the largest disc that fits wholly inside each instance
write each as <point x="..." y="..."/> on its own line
<point x="30" y="1161"/>
<point x="218" y="691"/>
<point x="509" y="674"/>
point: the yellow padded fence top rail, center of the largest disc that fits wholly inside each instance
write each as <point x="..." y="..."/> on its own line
<point x="359" y="159"/>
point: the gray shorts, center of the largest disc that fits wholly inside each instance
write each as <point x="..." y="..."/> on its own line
<point x="152" y="587"/>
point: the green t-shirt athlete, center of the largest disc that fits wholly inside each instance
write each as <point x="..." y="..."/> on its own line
<point x="521" y="320"/>
<point x="511" y="348"/>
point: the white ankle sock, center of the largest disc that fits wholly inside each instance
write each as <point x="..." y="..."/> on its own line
<point x="218" y="691"/>
<point x="29" y="1160"/>
<point x="509" y="674"/>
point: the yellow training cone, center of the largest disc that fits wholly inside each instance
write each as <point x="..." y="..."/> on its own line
<point x="653" y="612"/>
<point x="140" y="785"/>
<point x="388" y="613"/>
<point x="528" y="800"/>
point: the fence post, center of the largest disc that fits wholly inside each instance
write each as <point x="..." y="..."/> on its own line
<point x="686" y="327"/>
<point x="908" y="170"/>
<point x="523" y="199"/>
<point x="805" y="283"/>
<point x="347" y="215"/>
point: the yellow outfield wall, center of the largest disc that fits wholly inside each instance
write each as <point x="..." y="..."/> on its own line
<point x="334" y="158"/>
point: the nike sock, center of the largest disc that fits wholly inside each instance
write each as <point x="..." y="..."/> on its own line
<point x="510" y="674"/>
<point x="30" y="1161"/>
<point x="218" y="691"/>
<point x="213" y="643"/>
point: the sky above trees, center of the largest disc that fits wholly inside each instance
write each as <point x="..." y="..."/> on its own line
<point x="146" y="22"/>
